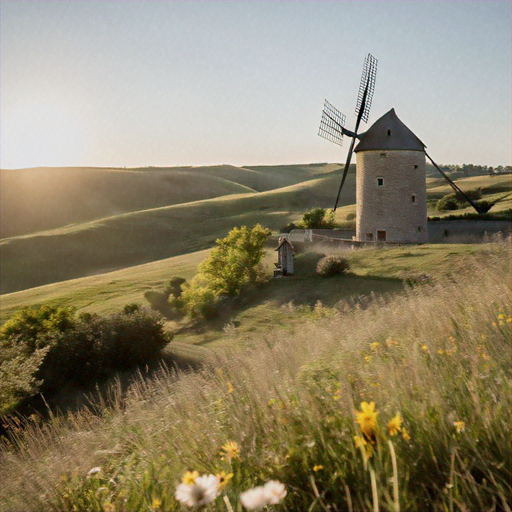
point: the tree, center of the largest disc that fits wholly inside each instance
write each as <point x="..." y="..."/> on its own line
<point x="233" y="265"/>
<point x="318" y="218"/>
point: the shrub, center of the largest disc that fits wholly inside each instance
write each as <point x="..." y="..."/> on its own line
<point x="350" y="216"/>
<point x="232" y="266"/>
<point x="448" y="202"/>
<point x="332" y="266"/>
<point x="47" y="348"/>
<point x="318" y="218"/>
<point x="289" y="227"/>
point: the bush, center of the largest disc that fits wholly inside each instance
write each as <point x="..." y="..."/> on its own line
<point x="47" y="348"/>
<point x="350" y="216"/>
<point x="456" y="200"/>
<point x="232" y="266"/>
<point x="318" y="218"/>
<point x="289" y="227"/>
<point x="332" y="266"/>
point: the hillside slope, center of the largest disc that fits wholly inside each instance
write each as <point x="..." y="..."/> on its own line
<point x="47" y="198"/>
<point x="140" y="237"/>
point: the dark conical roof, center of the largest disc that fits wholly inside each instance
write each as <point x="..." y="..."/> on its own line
<point x="388" y="133"/>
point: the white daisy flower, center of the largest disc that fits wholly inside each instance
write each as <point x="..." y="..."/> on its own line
<point x="203" y="490"/>
<point x="275" y="491"/>
<point x="255" y="498"/>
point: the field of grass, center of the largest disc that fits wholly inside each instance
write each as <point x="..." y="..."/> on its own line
<point x="98" y="220"/>
<point x="434" y="356"/>
<point x="148" y="235"/>
<point x="45" y="198"/>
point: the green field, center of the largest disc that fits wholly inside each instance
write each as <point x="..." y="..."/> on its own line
<point x="61" y="224"/>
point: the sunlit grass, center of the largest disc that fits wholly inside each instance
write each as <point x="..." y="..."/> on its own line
<point x="434" y="361"/>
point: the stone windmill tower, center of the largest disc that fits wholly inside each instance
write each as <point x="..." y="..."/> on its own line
<point x="391" y="184"/>
<point x="391" y="170"/>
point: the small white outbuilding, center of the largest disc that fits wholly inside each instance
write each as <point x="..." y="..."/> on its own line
<point x="285" y="250"/>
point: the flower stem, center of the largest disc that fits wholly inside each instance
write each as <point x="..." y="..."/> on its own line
<point x="374" y="491"/>
<point x="396" y="496"/>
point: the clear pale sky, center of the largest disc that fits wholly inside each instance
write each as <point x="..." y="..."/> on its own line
<point x="164" y="83"/>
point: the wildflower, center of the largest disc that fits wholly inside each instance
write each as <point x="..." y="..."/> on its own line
<point x="109" y="507"/>
<point x="395" y="425"/>
<point x="337" y="394"/>
<point x="317" y="468"/>
<point x="440" y="351"/>
<point x="424" y="348"/>
<point x="405" y="434"/>
<point x="367" y="358"/>
<point x="275" y="491"/>
<point x="157" y="504"/>
<point x="367" y="420"/>
<point x="375" y="345"/>
<point x="259" y="497"/>
<point x="230" y="387"/>
<point x="501" y="316"/>
<point x="509" y="319"/>
<point x="359" y="441"/>
<point x="459" y="425"/>
<point x="231" y="450"/>
<point x="203" y="490"/>
<point x="224" y="478"/>
<point x="93" y="471"/>
<point x="254" y="499"/>
<point x="190" y="477"/>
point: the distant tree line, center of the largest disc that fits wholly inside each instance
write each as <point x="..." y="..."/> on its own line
<point x="466" y="170"/>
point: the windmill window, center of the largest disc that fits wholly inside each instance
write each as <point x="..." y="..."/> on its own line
<point x="389" y="133"/>
<point x="380" y="182"/>
<point x="419" y="228"/>
<point x="383" y="155"/>
<point x="415" y="166"/>
<point x="413" y="199"/>
<point x="381" y="236"/>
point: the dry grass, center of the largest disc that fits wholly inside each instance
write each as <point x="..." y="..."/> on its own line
<point x="438" y="353"/>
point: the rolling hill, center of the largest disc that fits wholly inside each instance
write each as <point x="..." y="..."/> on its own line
<point x="87" y="221"/>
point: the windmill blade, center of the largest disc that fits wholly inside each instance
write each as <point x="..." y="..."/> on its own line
<point x="332" y="124"/>
<point x="345" y="172"/>
<point x="366" y="88"/>
<point x="478" y="208"/>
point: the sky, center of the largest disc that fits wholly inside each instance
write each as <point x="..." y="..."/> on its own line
<point x="168" y="83"/>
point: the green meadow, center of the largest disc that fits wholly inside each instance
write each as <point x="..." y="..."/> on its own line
<point x="384" y="389"/>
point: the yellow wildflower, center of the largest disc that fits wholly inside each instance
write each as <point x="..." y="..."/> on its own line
<point x="224" y="478"/>
<point x="230" y="387"/>
<point x="359" y="441"/>
<point x="337" y="394"/>
<point x="190" y="477"/>
<point x="317" y="468"/>
<point x="367" y="419"/>
<point x="501" y="316"/>
<point x="459" y="425"/>
<point x="440" y="351"/>
<point x="367" y="358"/>
<point x="374" y="345"/>
<point x="424" y="348"/>
<point x="109" y="507"/>
<point x="405" y="434"/>
<point x="157" y="504"/>
<point x="231" y="450"/>
<point x="395" y="425"/>
<point x="509" y="319"/>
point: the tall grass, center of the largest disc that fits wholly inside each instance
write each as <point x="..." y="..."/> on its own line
<point x="438" y="354"/>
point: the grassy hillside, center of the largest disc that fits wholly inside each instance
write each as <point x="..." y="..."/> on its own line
<point x="140" y="237"/>
<point x="434" y="360"/>
<point x="45" y="198"/>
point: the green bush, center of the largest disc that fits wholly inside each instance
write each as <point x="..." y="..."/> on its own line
<point x="47" y="348"/>
<point x="350" y="216"/>
<point x="233" y="265"/>
<point x="456" y="200"/>
<point x="318" y="218"/>
<point x="332" y="266"/>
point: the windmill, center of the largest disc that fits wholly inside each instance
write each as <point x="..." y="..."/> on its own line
<point x="332" y="127"/>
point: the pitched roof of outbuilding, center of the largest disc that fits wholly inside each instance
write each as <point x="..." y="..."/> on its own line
<point x="388" y="133"/>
